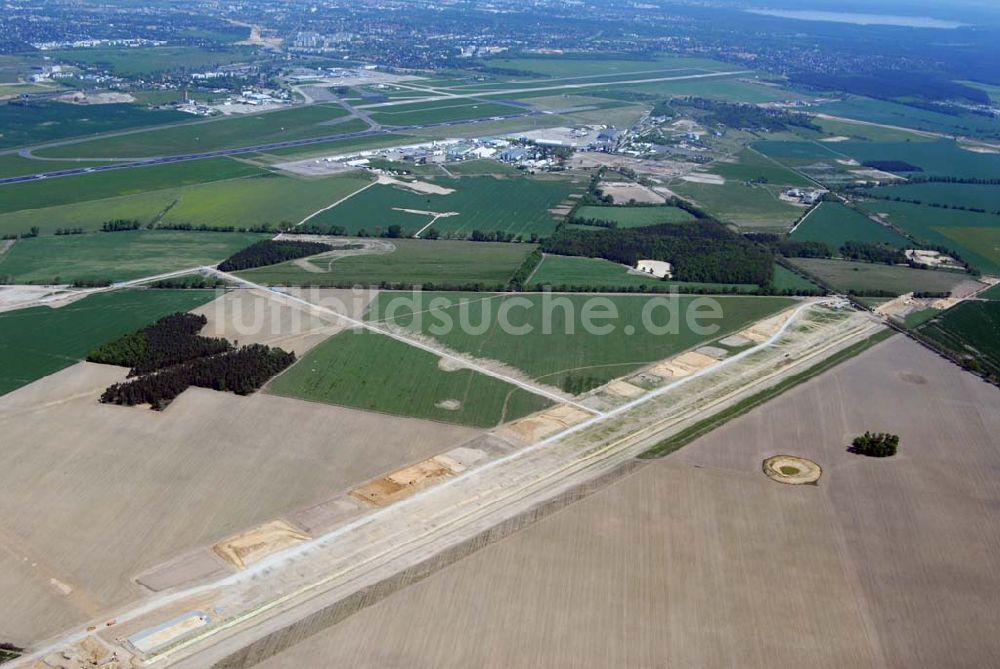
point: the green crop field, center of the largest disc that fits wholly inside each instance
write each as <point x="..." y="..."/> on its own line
<point x="563" y="353"/>
<point x="514" y="205"/>
<point x="37" y="122"/>
<point x="867" y="133"/>
<point x="850" y="276"/>
<point x="834" y="224"/>
<point x="969" y="329"/>
<point x="116" y="256"/>
<point x="575" y="273"/>
<point x="439" y="111"/>
<point x="377" y="373"/>
<point x="753" y="166"/>
<point x="786" y="279"/>
<point x="40" y="341"/>
<point x="603" y="67"/>
<point x="414" y="262"/>
<point x="635" y="217"/>
<point x="755" y="206"/>
<point x="976" y="237"/>
<point x="892" y="113"/>
<point x="243" y="202"/>
<point x="941" y="158"/>
<point x="991" y="293"/>
<point x="130" y="61"/>
<point x="101" y="185"/>
<point x="974" y="196"/>
<point x="225" y="133"/>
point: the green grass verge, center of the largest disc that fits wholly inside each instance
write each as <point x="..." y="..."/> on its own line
<point x="373" y="372"/>
<point x="686" y="436"/>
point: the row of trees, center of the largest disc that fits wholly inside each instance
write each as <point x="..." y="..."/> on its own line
<point x="528" y="266"/>
<point x="892" y="166"/>
<point x="242" y="371"/>
<point x="271" y="252"/>
<point x="873" y="253"/>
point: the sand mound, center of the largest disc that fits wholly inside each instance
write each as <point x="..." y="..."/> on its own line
<point x="792" y="470"/>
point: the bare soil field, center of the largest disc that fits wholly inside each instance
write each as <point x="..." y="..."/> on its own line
<point x="96" y="495"/>
<point x="253" y="317"/>
<point x="700" y="560"/>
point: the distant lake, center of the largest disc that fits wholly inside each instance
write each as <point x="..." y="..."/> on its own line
<point x="860" y="19"/>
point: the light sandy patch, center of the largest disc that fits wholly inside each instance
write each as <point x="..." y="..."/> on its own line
<point x="849" y="162"/>
<point x="422" y="187"/>
<point x="625" y="191"/>
<point x="836" y="139"/>
<point x="945" y="303"/>
<point x="450" y="365"/>
<point x="254" y="317"/>
<point x="877" y="175"/>
<point x="763" y="330"/>
<point x="561" y="210"/>
<point x="701" y="178"/>
<point x="791" y="470"/>
<point x="623" y="389"/>
<point x="256" y="544"/>
<point x="685" y="364"/>
<point x="449" y="405"/>
<point x="979" y="148"/>
<point x="81" y="98"/>
<point x="794" y="201"/>
<point x="322" y="262"/>
<point x="735" y="341"/>
<point x="5" y="245"/>
<point x="540" y="425"/>
<point x="403" y="483"/>
<point x="437" y="214"/>
<point x="19" y="297"/>
<point x="148" y="641"/>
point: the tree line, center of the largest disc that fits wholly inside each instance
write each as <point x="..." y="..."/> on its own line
<point x="241" y="371"/>
<point x="271" y="252"/>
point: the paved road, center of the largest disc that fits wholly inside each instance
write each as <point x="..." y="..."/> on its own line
<point x="147" y="162"/>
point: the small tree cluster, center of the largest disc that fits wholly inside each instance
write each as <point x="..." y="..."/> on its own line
<point x="876" y="444"/>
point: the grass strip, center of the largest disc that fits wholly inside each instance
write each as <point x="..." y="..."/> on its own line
<point x="684" y="437"/>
